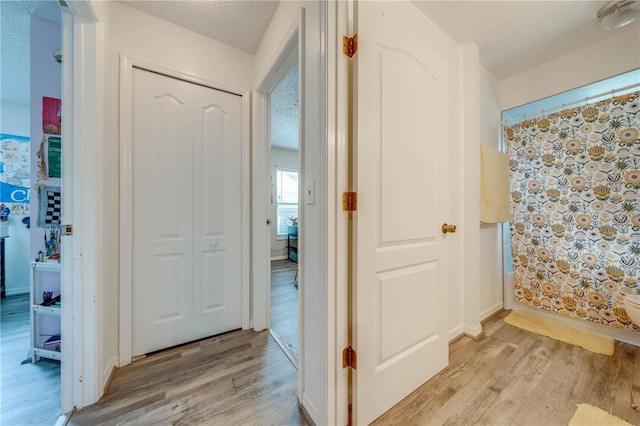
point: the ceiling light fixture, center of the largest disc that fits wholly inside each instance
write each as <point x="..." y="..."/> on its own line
<point x="616" y="14"/>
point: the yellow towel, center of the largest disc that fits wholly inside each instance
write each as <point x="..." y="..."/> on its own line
<point x="495" y="203"/>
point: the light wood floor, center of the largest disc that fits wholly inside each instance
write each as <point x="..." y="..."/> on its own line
<point x="241" y="377"/>
<point x="29" y="393"/>
<point x="514" y="377"/>
<point x="284" y="304"/>
<point x="507" y="377"/>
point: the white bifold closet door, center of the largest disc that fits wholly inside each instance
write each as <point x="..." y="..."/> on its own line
<point x="187" y="163"/>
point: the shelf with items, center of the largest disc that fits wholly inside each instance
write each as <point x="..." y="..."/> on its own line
<point x="45" y="311"/>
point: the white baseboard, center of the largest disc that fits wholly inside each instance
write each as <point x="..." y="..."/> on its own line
<point x="456" y="332"/>
<point x="469" y="330"/>
<point x="283" y="257"/>
<point x="490" y="311"/>
<point x="16" y="291"/>
<point x="472" y="330"/>
<point x="108" y="372"/>
<point x="310" y="408"/>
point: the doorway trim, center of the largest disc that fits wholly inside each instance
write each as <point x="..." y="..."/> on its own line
<point x="82" y="184"/>
<point x="127" y="64"/>
<point x="338" y="166"/>
<point x="261" y="148"/>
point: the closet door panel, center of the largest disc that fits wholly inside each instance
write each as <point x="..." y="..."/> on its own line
<point x="163" y="196"/>
<point x="217" y="183"/>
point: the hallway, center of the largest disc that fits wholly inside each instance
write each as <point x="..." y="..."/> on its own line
<point x="241" y="377"/>
<point x="509" y="376"/>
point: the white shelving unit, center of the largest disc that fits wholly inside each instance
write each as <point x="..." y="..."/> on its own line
<point x="45" y="320"/>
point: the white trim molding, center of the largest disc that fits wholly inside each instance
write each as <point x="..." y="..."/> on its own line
<point x="127" y="64"/>
<point x="490" y="311"/>
<point x="337" y="222"/>
<point x="82" y="94"/>
<point x="261" y="167"/>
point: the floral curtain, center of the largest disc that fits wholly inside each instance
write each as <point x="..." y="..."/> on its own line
<point x="575" y="224"/>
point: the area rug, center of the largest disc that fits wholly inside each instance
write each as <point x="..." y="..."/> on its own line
<point x="588" y="415"/>
<point x="556" y="330"/>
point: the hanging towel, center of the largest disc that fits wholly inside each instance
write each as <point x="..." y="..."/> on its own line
<point x="495" y="206"/>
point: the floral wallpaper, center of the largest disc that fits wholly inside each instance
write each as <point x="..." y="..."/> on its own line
<point x="575" y="223"/>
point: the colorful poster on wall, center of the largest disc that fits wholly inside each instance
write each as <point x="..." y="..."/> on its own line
<point x="51" y="115"/>
<point x="14" y="168"/>
<point x="54" y="144"/>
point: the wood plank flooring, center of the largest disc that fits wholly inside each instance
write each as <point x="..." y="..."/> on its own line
<point x="507" y="377"/>
<point x="514" y="377"/>
<point x="284" y="304"/>
<point x="241" y="377"/>
<point x="29" y="393"/>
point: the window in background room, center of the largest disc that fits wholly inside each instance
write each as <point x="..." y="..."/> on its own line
<point x="286" y="198"/>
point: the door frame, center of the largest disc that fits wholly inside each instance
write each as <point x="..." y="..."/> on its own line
<point x="82" y="381"/>
<point x="339" y="142"/>
<point x="127" y="63"/>
<point x="261" y="167"/>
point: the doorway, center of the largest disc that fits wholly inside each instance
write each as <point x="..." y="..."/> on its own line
<point x="30" y="323"/>
<point x="284" y="209"/>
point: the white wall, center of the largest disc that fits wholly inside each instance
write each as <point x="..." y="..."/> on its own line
<point x="46" y="80"/>
<point x="135" y="34"/>
<point x="287" y="158"/>
<point x="615" y="55"/>
<point x="490" y="296"/>
<point x="16" y="120"/>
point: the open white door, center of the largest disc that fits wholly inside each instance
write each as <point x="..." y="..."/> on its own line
<point x="400" y="150"/>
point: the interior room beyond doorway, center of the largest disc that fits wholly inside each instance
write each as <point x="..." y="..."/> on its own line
<point x="284" y="207"/>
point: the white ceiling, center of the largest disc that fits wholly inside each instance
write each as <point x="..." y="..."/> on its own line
<point x="284" y="111"/>
<point x="515" y="36"/>
<point x="15" y="22"/>
<point x="238" y="23"/>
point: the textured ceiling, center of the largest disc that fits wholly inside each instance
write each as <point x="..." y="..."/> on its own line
<point x="515" y="36"/>
<point x="284" y="111"/>
<point x="238" y="23"/>
<point x="14" y="44"/>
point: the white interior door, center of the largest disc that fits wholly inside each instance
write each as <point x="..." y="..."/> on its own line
<point x="400" y="324"/>
<point x="186" y="158"/>
<point x="217" y="225"/>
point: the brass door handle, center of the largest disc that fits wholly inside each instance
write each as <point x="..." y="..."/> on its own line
<point x="448" y="228"/>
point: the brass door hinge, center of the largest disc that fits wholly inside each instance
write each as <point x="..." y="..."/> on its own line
<point x="349" y="358"/>
<point x="349" y="201"/>
<point x="350" y="45"/>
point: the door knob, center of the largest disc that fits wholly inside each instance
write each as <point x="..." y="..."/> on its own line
<point x="215" y="243"/>
<point x="448" y="228"/>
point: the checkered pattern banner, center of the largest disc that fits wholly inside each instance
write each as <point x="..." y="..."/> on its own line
<point x="49" y="207"/>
